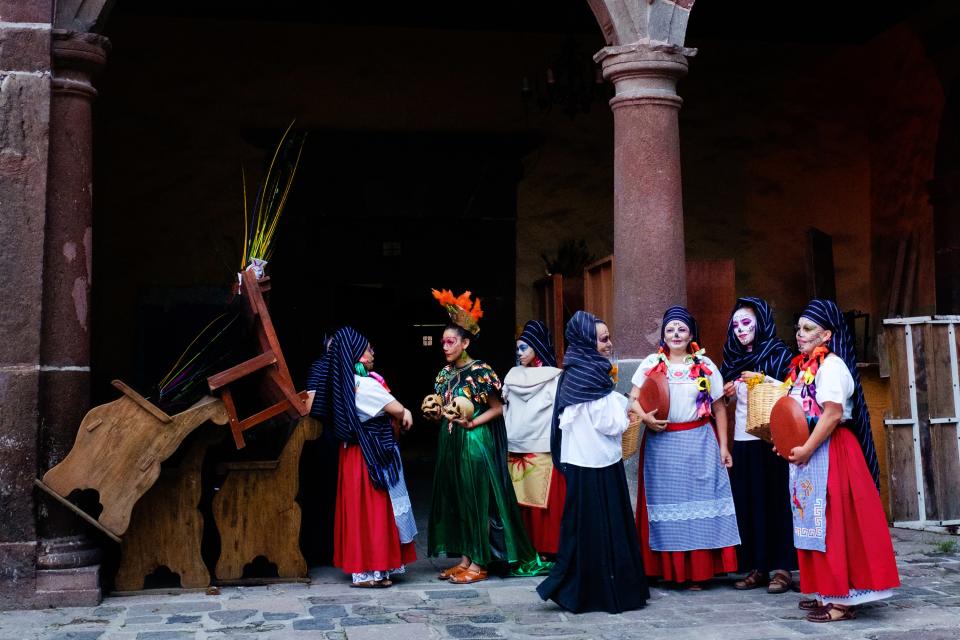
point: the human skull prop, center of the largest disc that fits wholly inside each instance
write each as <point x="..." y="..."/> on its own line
<point x="458" y="409"/>
<point x="432" y="406"/>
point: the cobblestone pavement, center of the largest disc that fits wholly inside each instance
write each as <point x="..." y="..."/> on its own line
<point x="419" y="607"/>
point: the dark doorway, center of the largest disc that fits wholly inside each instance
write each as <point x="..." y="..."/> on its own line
<point x="378" y="219"/>
<point x="945" y="195"/>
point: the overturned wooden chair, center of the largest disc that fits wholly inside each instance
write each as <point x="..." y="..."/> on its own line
<point x="166" y="528"/>
<point x="275" y="383"/>
<point x="256" y="510"/>
<point x="118" y="451"/>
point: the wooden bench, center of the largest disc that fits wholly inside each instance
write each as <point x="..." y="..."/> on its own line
<point x="118" y="451"/>
<point x="166" y="527"/>
<point x="256" y="510"/>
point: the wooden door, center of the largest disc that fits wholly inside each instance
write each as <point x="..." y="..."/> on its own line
<point x="711" y="292"/>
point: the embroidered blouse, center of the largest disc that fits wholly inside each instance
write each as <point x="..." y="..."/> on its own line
<point x="683" y="389"/>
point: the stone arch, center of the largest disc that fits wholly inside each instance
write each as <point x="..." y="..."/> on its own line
<point x="625" y="22"/>
<point x="82" y="15"/>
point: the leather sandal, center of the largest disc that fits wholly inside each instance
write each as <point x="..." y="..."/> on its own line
<point x="448" y="573"/>
<point x="371" y="584"/>
<point x="753" y="580"/>
<point x="826" y="614"/>
<point x="809" y="604"/>
<point x="780" y="582"/>
<point x="468" y="576"/>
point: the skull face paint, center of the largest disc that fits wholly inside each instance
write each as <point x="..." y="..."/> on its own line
<point x="525" y="354"/>
<point x="744" y="324"/>
<point x="810" y="335"/>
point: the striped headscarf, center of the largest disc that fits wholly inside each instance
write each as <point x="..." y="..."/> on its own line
<point x="586" y="373"/>
<point x="680" y="313"/>
<point x="770" y="354"/>
<point x="586" y="370"/>
<point x="537" y="335"/>
<point x="335" y="402"/>
<point x="827" y="314"/>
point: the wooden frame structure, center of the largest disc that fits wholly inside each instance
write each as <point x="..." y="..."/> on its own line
<point x="269" y="361"/>
<point x="923" y="426"/>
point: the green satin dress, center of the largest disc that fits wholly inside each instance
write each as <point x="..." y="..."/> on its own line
<point x="474" y="511"/>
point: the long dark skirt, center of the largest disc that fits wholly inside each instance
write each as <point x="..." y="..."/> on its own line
<point x="599" y="566"/>
<point x="759" y="479"/>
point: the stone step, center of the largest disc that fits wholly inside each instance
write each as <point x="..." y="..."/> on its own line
<point x="76" y="579"/>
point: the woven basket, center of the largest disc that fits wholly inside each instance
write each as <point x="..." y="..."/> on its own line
<point x="631" y="438"/>
<point x="760" y="401"/>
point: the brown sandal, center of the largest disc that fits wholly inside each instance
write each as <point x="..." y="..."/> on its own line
<point x="780" y="582"/>
<point x="372" y="584"/>
<point x="826" y="615"/>
<point x="753" y="580"/>
<point x="448" y="573"/>
<point x="810" y="604"/>
<point x="469" y="576"/>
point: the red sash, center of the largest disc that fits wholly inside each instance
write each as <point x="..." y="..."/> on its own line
<point x="686" y="426"/>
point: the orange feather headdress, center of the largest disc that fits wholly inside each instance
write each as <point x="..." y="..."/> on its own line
<point x="463" y="311"/>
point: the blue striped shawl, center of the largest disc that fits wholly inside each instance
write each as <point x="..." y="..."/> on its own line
<point x="827" y="314"/>
<point x="335" y="402"/>
<point x="537" y="335"/>
<point x="770" y="354"/>
<point x="586" y="373"/>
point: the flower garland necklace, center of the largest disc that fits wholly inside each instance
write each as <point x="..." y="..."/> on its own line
<point x="803" y="370"/>
<point x="698" y="372"/>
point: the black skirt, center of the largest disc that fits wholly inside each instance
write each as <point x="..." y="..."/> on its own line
<point x="599" y="566"/>
<point x="760" y="482"/>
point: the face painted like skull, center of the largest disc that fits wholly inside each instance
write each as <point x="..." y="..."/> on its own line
<point x="459" y="409"/>
<point x="744" y="323"/>
<point x="432" y="406"/>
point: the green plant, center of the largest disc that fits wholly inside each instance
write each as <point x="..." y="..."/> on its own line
<point x="260" y="223"/>
<point x="571" y="258"/>
<point x="946" y="546"/>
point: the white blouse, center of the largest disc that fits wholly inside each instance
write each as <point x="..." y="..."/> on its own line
<point x="834" y="384"/>
<point x="683" y="389"/>
<point x="592" y="431"/>
<point x="371" y="397"/>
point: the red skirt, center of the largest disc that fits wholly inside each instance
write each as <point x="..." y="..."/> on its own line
<point x="543" y="525"/>
<point x="859" y="555"/>
<point x="679" y="566"/>
<point x="365" y="536"/>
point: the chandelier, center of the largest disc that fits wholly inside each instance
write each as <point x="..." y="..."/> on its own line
<point x="571" y="83"/>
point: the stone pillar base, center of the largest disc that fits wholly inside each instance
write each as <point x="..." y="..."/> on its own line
<point x="631" y="467"/>
<point x="78" y="587"/>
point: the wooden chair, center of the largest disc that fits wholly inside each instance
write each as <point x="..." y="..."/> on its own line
<point x="278" y="384"/>
<point x="256" y="510"/>
<point x="166" y="527"/>
<point x="118" y="451"/>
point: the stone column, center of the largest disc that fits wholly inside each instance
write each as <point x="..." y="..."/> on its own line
<point x="24" y="122"/>
<point x="649" y="266"/>
<point x="67" y="558"/>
